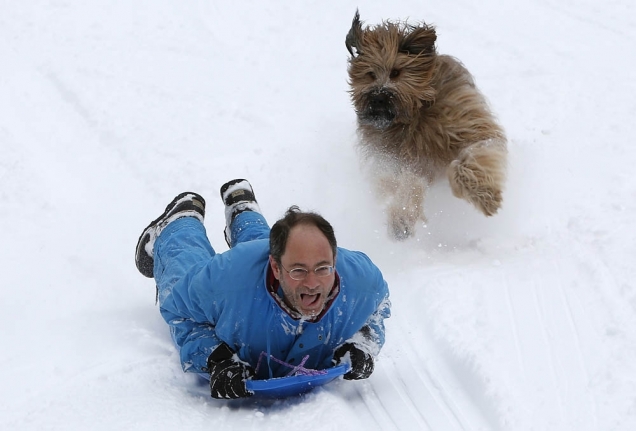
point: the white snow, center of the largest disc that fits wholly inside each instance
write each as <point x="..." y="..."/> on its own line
<point x="522" y="321"/>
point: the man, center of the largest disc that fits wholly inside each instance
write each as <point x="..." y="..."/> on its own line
<point x="288" y="295"/>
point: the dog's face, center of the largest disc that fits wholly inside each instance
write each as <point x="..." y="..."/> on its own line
<point x="390" y="71"/>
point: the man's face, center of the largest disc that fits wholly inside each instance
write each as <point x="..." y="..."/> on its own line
<point x="307" y="248"/>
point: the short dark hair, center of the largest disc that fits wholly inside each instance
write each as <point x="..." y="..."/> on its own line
<point x="293" y="217"/>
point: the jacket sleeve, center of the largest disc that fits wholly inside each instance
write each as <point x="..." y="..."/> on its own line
<point x="196" y="341"/>
<point x="370" y="337"/>
<point x="193" y="308"/>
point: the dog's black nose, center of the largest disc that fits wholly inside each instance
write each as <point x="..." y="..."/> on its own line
<point x="380" y="111"/>
<point x="380" y="101"/>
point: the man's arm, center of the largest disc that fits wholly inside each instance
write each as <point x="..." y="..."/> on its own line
<point x="195" y="341"/>
<point x="371" y="337"/>
<point x="364" y="346"/>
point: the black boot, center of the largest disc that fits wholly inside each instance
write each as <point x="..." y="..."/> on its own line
<point x="186" y="204"/>
<point x="237" y="196"/>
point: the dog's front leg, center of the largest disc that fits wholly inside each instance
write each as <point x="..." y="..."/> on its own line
<point x="478" y="174"/>
<point x="406" y="203"/>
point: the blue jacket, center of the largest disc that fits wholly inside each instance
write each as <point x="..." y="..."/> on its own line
<point x="209" y="298"/>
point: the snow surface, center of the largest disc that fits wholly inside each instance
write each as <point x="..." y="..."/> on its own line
<point x="523" y="321"/>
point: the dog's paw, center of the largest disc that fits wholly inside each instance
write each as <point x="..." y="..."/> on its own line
<point x="476" y="185"/>
<point x="402" y="221"/>
<point x="400" y="229"/>
<point x="488" y="201"/>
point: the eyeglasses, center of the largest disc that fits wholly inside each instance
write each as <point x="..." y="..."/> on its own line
<point x="301" y="273"/>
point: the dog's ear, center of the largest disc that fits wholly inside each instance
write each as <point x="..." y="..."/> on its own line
<point x="353" y="37"/>
<point x="420" y="40"/>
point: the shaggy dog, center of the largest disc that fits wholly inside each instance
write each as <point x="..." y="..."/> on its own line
<point x="420" y="117"/>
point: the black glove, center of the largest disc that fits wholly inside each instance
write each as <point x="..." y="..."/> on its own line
<point x="228" y="375"/>
<point x="361" y="362"/>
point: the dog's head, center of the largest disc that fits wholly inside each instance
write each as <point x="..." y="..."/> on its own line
<point x="390" y="71"/>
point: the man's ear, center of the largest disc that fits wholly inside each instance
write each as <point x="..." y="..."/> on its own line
<point x="275" y="267"/>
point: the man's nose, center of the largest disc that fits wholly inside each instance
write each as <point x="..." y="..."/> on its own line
<point x="311" y="280"/>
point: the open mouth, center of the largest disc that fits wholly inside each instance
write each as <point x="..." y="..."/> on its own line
<point x="310" y="301"/>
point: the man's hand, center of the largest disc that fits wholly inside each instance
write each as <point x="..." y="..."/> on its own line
<point x="361" y="361"/>
<point x="228" y="374"/>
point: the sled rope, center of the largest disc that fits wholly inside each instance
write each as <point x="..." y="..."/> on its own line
<point x="298" y="370"/>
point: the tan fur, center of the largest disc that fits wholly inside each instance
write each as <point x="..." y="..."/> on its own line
<point x="421" y="117"/>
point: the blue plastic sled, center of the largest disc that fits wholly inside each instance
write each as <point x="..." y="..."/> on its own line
<point x="283" y="387"/>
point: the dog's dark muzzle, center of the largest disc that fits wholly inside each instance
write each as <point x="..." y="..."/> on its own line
<point x="380" y="110"/>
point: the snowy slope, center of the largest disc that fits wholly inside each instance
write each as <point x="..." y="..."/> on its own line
<point x="524" y="321"/>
